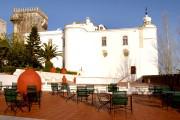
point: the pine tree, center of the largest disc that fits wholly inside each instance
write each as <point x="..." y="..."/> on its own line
<point x="33" y="48"/>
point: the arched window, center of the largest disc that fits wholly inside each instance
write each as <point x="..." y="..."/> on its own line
<point x="125" y="40"/>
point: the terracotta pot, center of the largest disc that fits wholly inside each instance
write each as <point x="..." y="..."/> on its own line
<point x="28" y="77"/>
<point x="63" y="71"/>
<point x="53" y="69"/>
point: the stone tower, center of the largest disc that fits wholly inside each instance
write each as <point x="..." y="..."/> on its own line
<point x="24" y="18"/>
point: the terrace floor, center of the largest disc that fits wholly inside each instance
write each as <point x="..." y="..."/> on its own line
<point x="54" y="107"/>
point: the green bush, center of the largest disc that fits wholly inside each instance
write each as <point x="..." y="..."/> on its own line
<point x="72" y="72"/>
<point x="8" y="69"/>
<point x="58" y="70"/>
<point x="48" y="66"/>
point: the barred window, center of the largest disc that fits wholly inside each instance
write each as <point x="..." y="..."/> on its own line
<point x="104" y="41"/>
<point x="125" y="40"/>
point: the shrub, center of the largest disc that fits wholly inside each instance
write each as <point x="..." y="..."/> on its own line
<point x="48" y="66"/>
<point x="8" y="69"/>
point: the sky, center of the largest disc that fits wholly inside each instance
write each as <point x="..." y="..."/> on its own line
<point x="111" y="13"/>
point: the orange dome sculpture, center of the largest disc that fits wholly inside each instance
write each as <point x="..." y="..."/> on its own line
<point x="28" y="77"/>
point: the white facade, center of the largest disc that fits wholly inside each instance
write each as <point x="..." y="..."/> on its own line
<point x="95" y="51"/>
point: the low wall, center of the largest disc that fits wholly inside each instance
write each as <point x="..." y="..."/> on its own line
<point x="99" y="82"/>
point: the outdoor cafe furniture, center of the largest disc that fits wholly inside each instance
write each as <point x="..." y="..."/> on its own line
<point x="10" y="98"/>
<point x="171" y="98"/>
<point x="82" y="92"/>
<point x="112" y="87"/>
<point x="70" y="93"/>
<point x="90" y="89"/>
<point x="104" y="99"/>
<point x="55" y="88"/>
<point x="114" y="100"/>
<point x="119" y="99"/>
<point x="14" y="100"/>
<point x="63" y="88"/>
<point x="14" y="85"/>
<point x="33" y="96"/>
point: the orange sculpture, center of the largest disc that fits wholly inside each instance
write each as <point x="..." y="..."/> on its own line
<point x="28" y="77"/>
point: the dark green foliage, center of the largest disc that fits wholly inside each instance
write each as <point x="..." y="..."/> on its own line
<point x="8" y="69"/>
<point x="48" y="66"/>
<point x="16" y="55"/>
<point x="33" y="48"/>
<point x="4" y="48"/>
<point x="72" y="72"/>
<point x="58" y="70"/>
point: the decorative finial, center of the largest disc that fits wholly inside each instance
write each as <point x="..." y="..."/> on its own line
<point x="146" y="12"/>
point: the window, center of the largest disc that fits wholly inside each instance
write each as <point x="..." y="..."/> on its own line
<point x="125" y="40"/>
<point x="104" y="41"/>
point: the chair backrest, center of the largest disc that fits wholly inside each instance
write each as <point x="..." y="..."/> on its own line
<point x="64" y="86"/>
<point x="119" y="98"/>
<point x="32" y="93"/>
<point x="0" y="85"/>
<point x="112" y="87"/>
<point x="90" y="88"/>
<point x="10" y="95"/>
<point x="54" y="86"/>
<point x="82" y="91"/>
<point x="31" y="88"/>
<point x="14" y="85"/>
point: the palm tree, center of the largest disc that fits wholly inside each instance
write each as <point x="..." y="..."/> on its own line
<point x="48" y="51"/>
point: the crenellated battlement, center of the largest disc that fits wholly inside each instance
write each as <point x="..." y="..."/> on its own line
<point x="30" y="10"/>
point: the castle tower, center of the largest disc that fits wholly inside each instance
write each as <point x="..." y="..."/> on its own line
<point x="24" y="18"/>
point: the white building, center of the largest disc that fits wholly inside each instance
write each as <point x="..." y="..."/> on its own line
<point x="96" y="51"/>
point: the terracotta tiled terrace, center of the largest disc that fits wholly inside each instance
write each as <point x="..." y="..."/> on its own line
<point x="55" y="107"/>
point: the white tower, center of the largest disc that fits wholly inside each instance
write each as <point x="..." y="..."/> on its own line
<point x="148" y="61"/>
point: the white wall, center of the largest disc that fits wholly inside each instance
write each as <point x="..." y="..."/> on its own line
<point x="83" y="51"/>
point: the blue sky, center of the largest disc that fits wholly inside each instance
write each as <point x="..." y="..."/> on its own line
<point x="111" y="13"/>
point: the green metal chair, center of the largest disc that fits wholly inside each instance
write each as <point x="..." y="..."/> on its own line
<point x="54" y="88"/>
<point x="112" y="87"/>
<point x="0" y="87"/>
<point x="119" y="99"/>
<point x="10" y="98"/>
<point x="90" y="89"/>
<point x="176" y="100"/>
<point x="82" y="92"/>
<point x="33" y="96"/>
